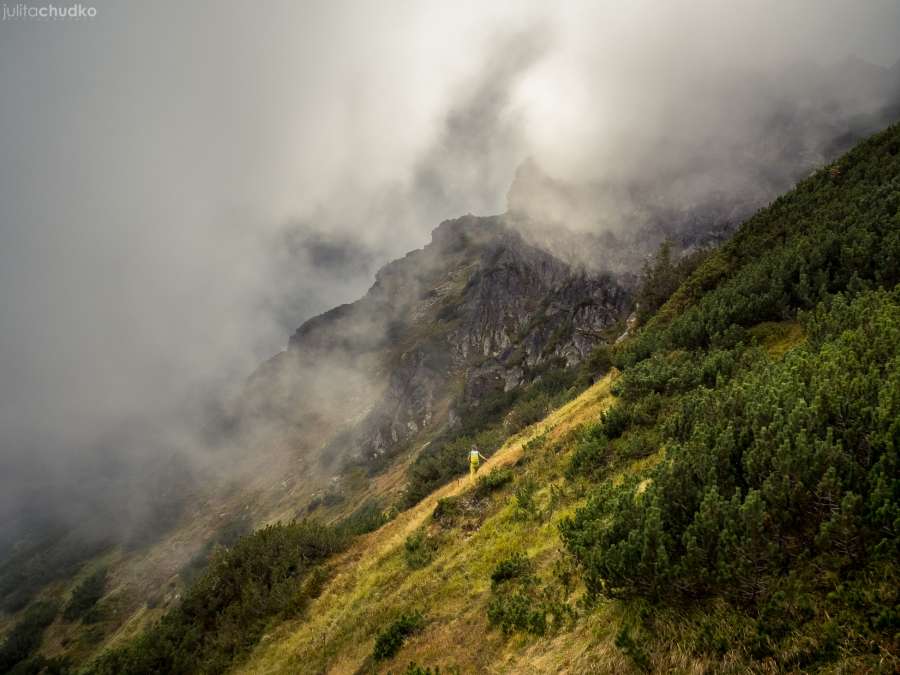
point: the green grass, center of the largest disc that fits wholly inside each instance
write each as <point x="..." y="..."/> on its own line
<point x="373" y="581"/>
<point x="732" y="513"/>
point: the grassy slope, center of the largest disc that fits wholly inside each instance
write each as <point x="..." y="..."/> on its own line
<point x="144" y="583"/>
<point x="371" y="583"/>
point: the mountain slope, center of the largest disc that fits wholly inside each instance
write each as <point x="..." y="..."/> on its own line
<point x="335" y="420"/>
<point x="477" y="307"/>
<point x="372" y="583"/>
<point x="475" y="337"/>
<point x="736" y="509"/>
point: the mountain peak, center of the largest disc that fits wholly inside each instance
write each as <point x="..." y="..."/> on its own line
<point x="478" y="305"/>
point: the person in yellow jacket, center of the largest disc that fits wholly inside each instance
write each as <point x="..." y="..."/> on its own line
<point x="474" y="457"/>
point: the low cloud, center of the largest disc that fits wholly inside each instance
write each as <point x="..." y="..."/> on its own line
<point x="182" y="185"/>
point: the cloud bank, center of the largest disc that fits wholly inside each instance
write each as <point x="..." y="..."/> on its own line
<point x="182" y="184"/>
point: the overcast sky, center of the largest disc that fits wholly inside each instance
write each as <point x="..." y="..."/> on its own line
<point x="182" y="183"/>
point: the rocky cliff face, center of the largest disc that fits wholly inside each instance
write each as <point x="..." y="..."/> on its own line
<point x="491" y="302"/>
<point x="475" y="311"/>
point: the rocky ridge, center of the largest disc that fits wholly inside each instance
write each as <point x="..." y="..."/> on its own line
<point x="475" y="311"/>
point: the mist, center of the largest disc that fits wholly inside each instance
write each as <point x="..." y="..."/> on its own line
<point x="183" y="184"/>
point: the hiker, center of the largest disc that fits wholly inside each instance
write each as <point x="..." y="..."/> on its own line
<point x="474" y="456"/>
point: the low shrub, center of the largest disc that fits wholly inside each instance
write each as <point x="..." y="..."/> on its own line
<point x="514" y="610"/>
<point x="591" y="452"/>
<point x="516" y="566"/>
<point x="535" y="444"/>
<point x="416" y="669"/>
<point x="492" y="481"/>
<point x="391" y="639"/>
<point x="615" y="420"/>
<point x="86" y="595"/>
<point x="523" y="495"/>
<point x="599" y="361"/>
<point x="25" y="637"/>
<point x="521" y="602"/>
<point x="419" y="550"/>
<point x="225" y="536"/>
<point x="367" y="518"/>
<point x="633" y="649"/>
<point x="447" y="510"/>
<point x="529" y="411"/>
<point x="785" y="470"/>
<point x="637" y="444"/>
<point x="265" y="576"/>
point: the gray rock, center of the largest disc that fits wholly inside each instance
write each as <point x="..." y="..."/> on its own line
<point x="478" y="306"/>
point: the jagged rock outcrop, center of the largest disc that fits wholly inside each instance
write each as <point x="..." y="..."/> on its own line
<point x="475" y="311"/>
<point x="491" y="301"/>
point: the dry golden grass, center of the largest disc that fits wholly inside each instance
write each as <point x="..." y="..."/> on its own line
<point x="275" y="483"/>
<point x="777" y="337"/>
<point x="371" y="584"/>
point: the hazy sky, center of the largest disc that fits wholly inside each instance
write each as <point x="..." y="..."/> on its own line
<point x="181" y="183"/>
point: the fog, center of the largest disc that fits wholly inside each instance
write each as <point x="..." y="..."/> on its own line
<point x="182" y="184"/>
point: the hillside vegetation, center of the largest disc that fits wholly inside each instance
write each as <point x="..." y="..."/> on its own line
<point x="736" y="509"/>
<point x="724" y="498"/>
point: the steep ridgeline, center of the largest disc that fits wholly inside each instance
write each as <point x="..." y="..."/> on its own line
<point x="475" y="312"/>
